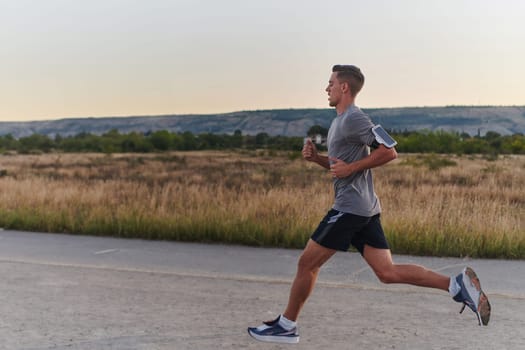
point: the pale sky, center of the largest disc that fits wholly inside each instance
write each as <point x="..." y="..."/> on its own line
<point x="66" y="58"/>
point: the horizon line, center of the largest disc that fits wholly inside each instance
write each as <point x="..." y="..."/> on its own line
<point x="255" y="110"/>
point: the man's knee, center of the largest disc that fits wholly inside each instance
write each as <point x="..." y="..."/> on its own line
<point x="313" y="257"/>
<point x="307" y="264"/>
<point x="387" y="275"/>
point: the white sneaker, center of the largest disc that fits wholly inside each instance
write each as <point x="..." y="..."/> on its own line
<point x="472" y="295"/>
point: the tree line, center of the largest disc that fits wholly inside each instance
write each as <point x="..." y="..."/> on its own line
<point x="163" y="140"/>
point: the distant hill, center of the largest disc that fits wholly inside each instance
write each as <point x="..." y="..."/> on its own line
<point x="286" y="122"/>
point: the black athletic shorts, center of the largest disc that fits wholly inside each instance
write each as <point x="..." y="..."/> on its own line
<point x="339" y="230"/>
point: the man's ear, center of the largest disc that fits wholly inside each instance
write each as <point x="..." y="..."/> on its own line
<point x="345" y="87"/>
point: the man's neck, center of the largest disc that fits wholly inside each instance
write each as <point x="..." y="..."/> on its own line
<point x="343" y="106"/>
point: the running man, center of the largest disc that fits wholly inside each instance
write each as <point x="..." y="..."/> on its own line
<point x="354" y="218"/>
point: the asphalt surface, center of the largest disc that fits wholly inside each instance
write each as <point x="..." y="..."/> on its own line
<point x="77" y="292"/>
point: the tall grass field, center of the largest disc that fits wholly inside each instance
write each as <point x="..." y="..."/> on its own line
<point x="432" y="204"/>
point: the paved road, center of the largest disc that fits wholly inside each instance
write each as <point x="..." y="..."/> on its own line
<point x="76" y="292"/>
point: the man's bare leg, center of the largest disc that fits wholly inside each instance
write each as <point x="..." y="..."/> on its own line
<point x="380" y="260"/>
<point x="311" y="260"/>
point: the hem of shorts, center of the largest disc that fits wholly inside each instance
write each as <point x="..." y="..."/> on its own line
<point x="325" y="246"/>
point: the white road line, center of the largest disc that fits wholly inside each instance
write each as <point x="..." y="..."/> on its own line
<point x="107" y="251"/>
<point x="245" y="278"/>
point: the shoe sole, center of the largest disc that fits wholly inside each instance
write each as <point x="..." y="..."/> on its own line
<point x="484" y="307"/>
<point x="274" y="338"/>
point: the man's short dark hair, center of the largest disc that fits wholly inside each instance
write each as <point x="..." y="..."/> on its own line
<point x="350" y="74"/>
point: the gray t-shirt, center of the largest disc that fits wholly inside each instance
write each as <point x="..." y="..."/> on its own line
<point x="349" y="138"/>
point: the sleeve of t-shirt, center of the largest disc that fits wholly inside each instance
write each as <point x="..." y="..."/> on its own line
<point x="358" y="128"/>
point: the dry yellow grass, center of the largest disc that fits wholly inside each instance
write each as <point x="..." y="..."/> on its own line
<point x="475" y="208"/>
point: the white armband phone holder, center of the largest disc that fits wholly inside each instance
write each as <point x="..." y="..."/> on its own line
<point x="382" y="137"/>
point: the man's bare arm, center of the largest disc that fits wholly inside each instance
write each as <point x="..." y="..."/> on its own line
<point x="380" y="156"/>
<point x="322" y="161"/>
